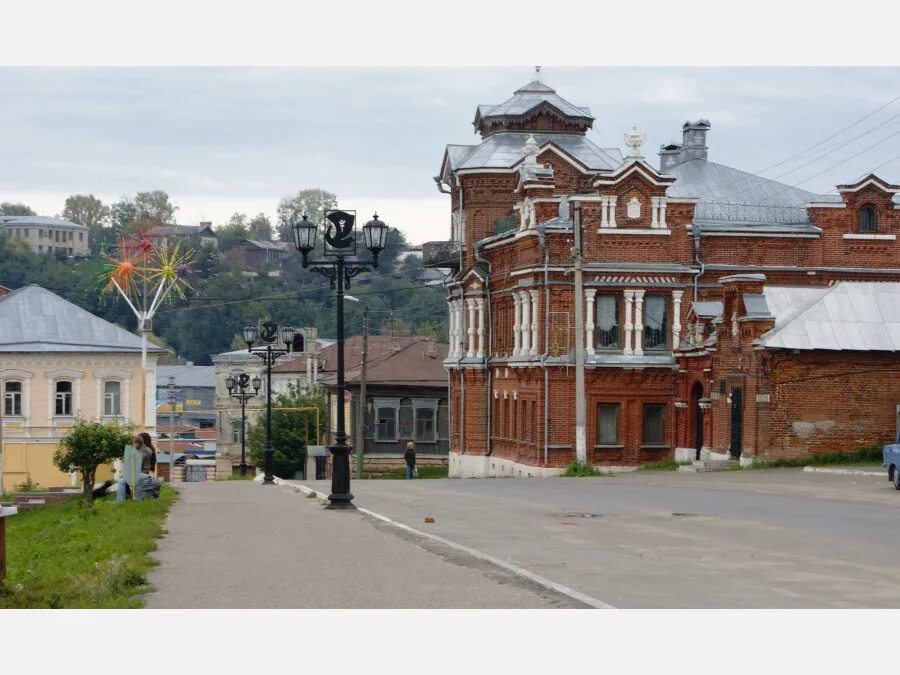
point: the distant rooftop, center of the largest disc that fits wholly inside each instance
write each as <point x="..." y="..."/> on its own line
<point x="47" y="221"/>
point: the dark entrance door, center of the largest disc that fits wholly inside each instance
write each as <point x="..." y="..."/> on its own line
<point x="696" y="395"/>
<point x="737" y="421"/>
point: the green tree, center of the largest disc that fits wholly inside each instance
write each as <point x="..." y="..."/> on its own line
<point x="15" y="209"/>
<point x="122" y="214"/>
<point x="260" y="228"/>
<point x="86" y="210"/>
<point x="233" y="232"/>
<point x="311" y="203"/>
<point x="291" y="430"/>
<point x="155" y="206"/>
<point x="86" y="446"/>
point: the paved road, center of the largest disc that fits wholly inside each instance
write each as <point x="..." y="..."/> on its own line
<point x="775" y="538"/>
<point x="238" y="544"/>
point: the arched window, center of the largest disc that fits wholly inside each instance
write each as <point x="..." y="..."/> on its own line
<point x="12" y="399"/>
<point x="867" y="219"/>
<point x="299" y="343"/>
<point x="112" y="397"/>
<point x="64" y="398"/>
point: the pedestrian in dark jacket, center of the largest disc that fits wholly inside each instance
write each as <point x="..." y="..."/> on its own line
<point x="410" y="457"/>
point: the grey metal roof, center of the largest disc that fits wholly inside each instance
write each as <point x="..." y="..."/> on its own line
<point x="268" y="245"/>
<point x="32" y="319"/>
<point x="732" y="197"/>
<point x="707" y="309"/>
<point x="186" y="376"/>
<point x="756" y="306"/>
<point x="39" y="220"/>
<point x="504" y="150"/>
<point x="857" y="316"/>
<point x="529" y="97"/>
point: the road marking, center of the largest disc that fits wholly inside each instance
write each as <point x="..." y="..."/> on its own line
<point x="845" y="472"/>
<point x="518" y="571"/>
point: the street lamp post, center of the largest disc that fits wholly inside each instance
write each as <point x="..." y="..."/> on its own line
<point x="238" y="389"/>
<point x="268" y="352"/>
<point x="340" y="245"/>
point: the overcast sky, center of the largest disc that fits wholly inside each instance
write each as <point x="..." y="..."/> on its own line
<point x="221" y="140"/>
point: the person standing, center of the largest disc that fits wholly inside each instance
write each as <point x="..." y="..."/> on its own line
<point x="148" y="461"/>
<point x="410" y="457"/>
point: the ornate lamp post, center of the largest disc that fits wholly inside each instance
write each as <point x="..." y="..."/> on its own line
<point x="237" y="388"/>
<point x="340" y="245"/>
<point x="268" y="352"/>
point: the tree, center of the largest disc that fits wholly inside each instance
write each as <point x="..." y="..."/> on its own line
<point x="86" y="210"/>
<point x="86" y="446"/>
<point x="156" y="206"/>
<point x="15" y="209"/>
<point x="260" y="228"/>
<point x="122" y="214"/>
<point x="291" y="430"/>
<point x="311" y="203"/>
<point x="233" y="232"/>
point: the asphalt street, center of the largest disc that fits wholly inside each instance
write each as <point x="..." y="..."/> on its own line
<point x="738" y="539"/>
<point x="238" y="544"/>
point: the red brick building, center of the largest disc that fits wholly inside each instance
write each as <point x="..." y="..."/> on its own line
<point x="658" y="247"/>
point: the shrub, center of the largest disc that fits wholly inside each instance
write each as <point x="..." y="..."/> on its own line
<point x="87" y="446"/>
<point x="578" y="469"/>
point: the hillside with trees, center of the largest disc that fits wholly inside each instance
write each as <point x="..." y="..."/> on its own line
<point x="225" y="294"/>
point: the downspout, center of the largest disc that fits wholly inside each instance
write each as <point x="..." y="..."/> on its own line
<point x="696" y="233"/>
<point x="490" y="347"/>
<point x="542" y="243"/>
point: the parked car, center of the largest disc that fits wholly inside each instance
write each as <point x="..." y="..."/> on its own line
<point x="891" y="455"/>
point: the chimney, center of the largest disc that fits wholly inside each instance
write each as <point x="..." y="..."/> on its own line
<point x="669" y="156"/>
<point x="694" y="142"/>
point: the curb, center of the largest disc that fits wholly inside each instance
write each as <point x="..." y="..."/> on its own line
<point x="844" y="472"/>
<point x="518" y="571"/>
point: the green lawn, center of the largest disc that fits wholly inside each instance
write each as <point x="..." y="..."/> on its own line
<point x="70" y="556"/>
<point x="424" y="472"/>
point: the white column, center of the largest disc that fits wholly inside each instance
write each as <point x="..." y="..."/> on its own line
<point x="676" y="318"/>
<point x="604" y="212"/>
<point x="526" y="323"/>
<point x="480" y="353"/>
<point x="78" y="406"/>
<point x="629" y="300"/>
<point x="126" y="398"/>
<point x="589" y="294"/>
<point x="612" y="211"/>
<point x="662" y="213"/>
<point x="460" y="327"/>
<point x="534" y="322"/>
<point x="639" y="323"/>
<point x="471" y="352"/>
<point x="98" y="387"/>
<point x="517" y="325"/>
<point x="451" y="332"/>
<point x="654" y="212"/>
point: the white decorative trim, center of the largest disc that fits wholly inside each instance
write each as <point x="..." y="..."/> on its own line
<point x="871" y="181"/>
<point x="682" y="200"/>
<point x="763" y="398"/>
<point x="480" y="353"/>
<point x="517" y="324"/>
<point x="589" y="295"/>
<point x="644" y="281"/>
<point x="871" y="237"/>
<point x="826" y="205"/>
<point x="629" y="326"/>
<point x="525" y="334"/>
<point x="676" y="318"/>
<point x="471" y="329"/>
<point x="610" y="230"/>
<point x="15" y="374"/>
<point x="535" y="270"/>
<point x="776" y="235"/>
<point x="534" y="321"/>
<point x="639" y="323"/>
<point x="680" y="404"/>
<point x="635" y="167"/>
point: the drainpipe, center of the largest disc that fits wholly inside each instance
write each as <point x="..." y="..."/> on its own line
<point x="440" y="185"/>
<point x="542" y="243"/>
<point x="696" y="233"/>
<point x="490" y="346"/>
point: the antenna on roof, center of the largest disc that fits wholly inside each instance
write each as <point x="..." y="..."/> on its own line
<point x="537" y="73"/>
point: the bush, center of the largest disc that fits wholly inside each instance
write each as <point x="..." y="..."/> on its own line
<point x="28" y="485"/>
<point x="579" y="469"/>
<point x="87" y="446"/>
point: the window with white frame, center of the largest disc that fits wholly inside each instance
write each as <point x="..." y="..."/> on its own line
<point x="237" y="432"/>
<point x="655" y="324"/>
<point x="112" y="398"/>
<point x="12" y="398"/>
<point x="425" y="412"/>
<point x="64" y="398"/>
<point x="386" y="419"/>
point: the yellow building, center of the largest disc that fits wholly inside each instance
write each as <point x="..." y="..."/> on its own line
<point x="59" y="362"/>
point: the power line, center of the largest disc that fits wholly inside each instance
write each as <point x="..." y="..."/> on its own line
<point x="834" y="135"/>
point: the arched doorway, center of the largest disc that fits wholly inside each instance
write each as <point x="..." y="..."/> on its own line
<point x="697" y="418"/>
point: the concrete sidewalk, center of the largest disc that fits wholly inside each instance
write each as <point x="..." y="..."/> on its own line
<point x="237" y="544"/>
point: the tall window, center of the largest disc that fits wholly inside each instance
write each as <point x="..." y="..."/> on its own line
<point x="425" y="420"/>
<point x="64" y="397"/>
<point x="112" y="397"/>
<point x="12" y="399"/>
<point x="867" y="219"/>
<point x="608" y="424"/>
<point x="236" y="432"/>
<point x="514" y="430"/>
<point x="655" y="322"/>
<point x="654" y="419"/>
<point x="386" y="413"/>
<point x="607" y="321"/>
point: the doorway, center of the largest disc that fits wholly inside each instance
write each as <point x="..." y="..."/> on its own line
<point x="697" y="421"/>
<point x="737" y="422"/>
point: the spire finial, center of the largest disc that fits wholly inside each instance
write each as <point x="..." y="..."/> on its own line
<point x="537" y="73"/>
<point x="531" y="150"/>
<point x="634" y="141"/>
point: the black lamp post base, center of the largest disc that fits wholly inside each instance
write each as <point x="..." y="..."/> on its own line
<point x="340" y="502"/>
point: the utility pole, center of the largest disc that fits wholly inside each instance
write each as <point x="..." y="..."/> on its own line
<point x="580" y="423"/>
<point x="171" y="399"/>
<point x="361" y="405"/>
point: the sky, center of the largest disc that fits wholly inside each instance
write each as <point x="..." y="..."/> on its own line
<point x="223" y="140"/>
